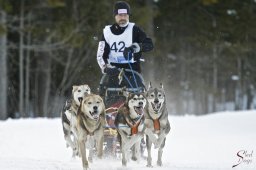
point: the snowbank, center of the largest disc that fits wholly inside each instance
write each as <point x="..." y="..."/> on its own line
<point x="204" y="143"/>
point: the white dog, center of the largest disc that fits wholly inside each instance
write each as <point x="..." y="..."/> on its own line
<point x="69" y="116"/>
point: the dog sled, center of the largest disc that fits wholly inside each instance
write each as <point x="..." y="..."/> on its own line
<point x="112" y="88"/>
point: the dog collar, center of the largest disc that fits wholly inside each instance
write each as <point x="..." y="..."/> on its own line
<point x="134" y="124"/>
<point x="137" y="118"/>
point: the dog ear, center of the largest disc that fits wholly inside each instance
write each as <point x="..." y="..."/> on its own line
<point x="145" y="94"/>
<point x="85" y="99"/>
<point x="161" y="86"/>
<point x="149" y="85"/>
<point x="124" y="92"/>
<point x="74" y="88"/>
<point x="129" y="96"/>
<point x="86" y="86"/>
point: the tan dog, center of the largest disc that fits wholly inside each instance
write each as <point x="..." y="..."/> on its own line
<point x="69" y="116"/>
<point x="90" y="126"/>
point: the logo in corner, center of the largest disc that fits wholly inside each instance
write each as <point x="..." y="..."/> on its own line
<point x="244" y="157"/>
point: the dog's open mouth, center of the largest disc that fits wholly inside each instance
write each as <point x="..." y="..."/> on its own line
<point x="138" y="109"/>
<point x="156" y="106"/>
<point x="94" y="114"/>
<point x="80" y="99"/>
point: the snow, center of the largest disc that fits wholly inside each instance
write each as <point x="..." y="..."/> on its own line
<point x="208" y="142"/>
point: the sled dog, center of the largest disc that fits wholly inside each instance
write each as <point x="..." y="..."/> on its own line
<point x="90" y="127"/>
<point x="130" y="125"/>
<point x="156" y="122"/>
<point x="69" y="115"/>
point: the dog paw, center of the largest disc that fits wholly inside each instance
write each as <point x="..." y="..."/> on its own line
<point x="149" y="166"/>
<point x="90" y="159"/>
<point x="134" y="158"/>
<point x="124" y="164"/>
<point x="159" y="163"/>
<point x="74" y="155"/>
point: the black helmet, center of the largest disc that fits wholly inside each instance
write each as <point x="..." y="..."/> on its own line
<point x="121" y="7"/>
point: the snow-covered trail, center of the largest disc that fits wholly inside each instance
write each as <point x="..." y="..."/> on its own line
<point x="195" y="143"/>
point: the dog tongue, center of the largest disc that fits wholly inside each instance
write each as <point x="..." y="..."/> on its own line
<point x="155" y="106"/>
<point x="139" y="110"/>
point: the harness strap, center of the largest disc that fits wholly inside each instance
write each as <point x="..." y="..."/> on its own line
<point x="156" y="124"/>
<point x="134" y="128"/>
<point x="92" y="133"/>
<point x="133" y="125"/>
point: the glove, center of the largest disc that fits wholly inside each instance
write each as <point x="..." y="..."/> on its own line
<point x="128" y="51"/>
<point x="111" y="71"/>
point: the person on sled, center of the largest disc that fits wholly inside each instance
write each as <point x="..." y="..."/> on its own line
<point x="121" y="47"/>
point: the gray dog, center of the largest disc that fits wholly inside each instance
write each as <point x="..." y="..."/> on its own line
<point x="130" y="125"/>
<point x="156" y="122"/>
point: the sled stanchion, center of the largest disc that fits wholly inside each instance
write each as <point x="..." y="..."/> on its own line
<point x="120" y="76"/>
<point x="133" y="73"/>
<point x="126" y="79"/>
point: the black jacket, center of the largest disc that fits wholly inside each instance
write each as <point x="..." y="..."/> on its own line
<point x="139" y="37"/>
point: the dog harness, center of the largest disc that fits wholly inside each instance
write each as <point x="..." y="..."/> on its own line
<point x="91" y="133"/>
<point x="156" y="124"/>
<point x="134" y="125"/>
<point x="134" y="128"/>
